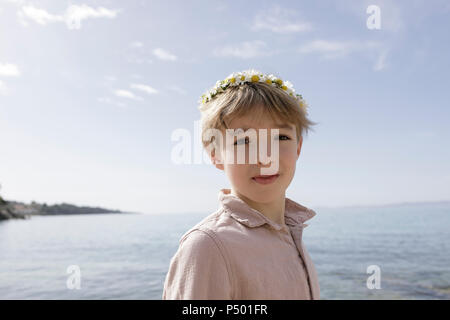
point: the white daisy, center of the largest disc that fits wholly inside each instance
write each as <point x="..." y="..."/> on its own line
<point x="252" y="75"/>
<point x="288" y="84"/>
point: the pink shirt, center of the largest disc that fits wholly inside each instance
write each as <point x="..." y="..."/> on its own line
<point x="237" y="253"/>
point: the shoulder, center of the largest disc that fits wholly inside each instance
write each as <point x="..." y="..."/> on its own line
<point x="199" y="241"/>
<point x="201" y="246"/>
<point x="199" y="269"/>
<point x="215" y="233"/>
<point x="214" y="224"/>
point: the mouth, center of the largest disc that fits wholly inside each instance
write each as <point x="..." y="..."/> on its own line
<point x="265" y="179"/>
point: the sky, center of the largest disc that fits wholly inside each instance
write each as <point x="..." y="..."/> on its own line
<point x="91" y="93"/>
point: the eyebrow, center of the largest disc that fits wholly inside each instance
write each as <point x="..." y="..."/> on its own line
<point x="277" y="126"/>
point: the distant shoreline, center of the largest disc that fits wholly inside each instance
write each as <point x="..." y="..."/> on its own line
<point x="20" y="210"/>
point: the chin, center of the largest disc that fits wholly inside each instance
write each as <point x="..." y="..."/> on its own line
<point x="264" y="196"/>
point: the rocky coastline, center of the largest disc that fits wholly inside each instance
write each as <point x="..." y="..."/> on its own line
<point x="20" y="210"/>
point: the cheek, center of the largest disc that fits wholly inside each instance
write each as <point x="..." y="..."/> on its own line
<point x="236" y="173"/>
<point x="288" y="158"/>
<point x="288" y="153"/>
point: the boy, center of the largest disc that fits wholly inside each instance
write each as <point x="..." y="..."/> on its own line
<point x="251" y="247"/>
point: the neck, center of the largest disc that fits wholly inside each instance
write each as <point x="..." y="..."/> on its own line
<point x="272" y="210"/>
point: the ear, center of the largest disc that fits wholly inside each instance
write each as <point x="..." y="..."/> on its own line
<point x="299" y="146"/>
<point x="216" y="160"/>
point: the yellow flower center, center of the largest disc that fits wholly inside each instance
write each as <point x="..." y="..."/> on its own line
<point x="233" y="80"/>
<point x="242" y="78"/>
<point x="279" y="81"/>
<point x="255" y="78"/>
<point x="269" y="81"/>
<point x="284" y="87"/>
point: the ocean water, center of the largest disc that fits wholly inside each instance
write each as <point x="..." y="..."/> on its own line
<point x="126" y="256"/>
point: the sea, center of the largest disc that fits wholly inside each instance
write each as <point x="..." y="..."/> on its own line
<point x="386" y="252"/>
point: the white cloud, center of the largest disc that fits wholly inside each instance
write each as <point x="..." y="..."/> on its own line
<point x="280" y="20"/>
<point x="244" y="50"/>
<point x="143" y="87"/>
<point x="127" y="94"/>
<point x="75" y="14"/>
<point x="164" y="55"/>
<point x="39" y="16"/>
<point x="9" y="70"/>
<point x="72" y="17"/>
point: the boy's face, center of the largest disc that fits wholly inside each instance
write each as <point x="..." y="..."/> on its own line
<point x="241" y="175"/>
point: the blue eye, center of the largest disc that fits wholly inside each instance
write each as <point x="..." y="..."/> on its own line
<point x="246" y="140"/>
<point x="287" y="138"/>
<point x="241" y="140"/>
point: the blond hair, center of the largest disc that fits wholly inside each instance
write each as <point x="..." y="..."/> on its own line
<point x="254" y="98"/>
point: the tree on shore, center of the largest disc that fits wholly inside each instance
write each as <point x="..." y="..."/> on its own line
<point x="2" y="202"/>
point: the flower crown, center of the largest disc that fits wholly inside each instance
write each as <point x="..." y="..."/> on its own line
<point x="238" y="78"/>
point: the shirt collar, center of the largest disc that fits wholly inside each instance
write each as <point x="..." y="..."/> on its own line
<point x="295" y="214"/>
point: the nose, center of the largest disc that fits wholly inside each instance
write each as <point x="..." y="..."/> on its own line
<point x="268" y="152"/>
<point x="269" y="161"/>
